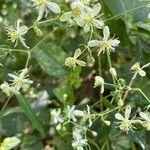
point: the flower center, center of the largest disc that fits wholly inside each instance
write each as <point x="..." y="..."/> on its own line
<point x="89" y="19"/>
<point x="76" y="11"/>
<point x="106" y="44"/>
<point x="41" y="2"/>
<point x="125" y="125"/>
<point x="70" y="62"/>
<point x="14" y="35"/>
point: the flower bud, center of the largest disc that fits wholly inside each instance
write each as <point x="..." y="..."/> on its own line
<point x="78" y="113"/>
<point x="65" y="97"/>
<point x="98" y="81"/>
<point x="70" y="62"/>
<point x="38" y="31"/>
<point x="58" y="127"/>
<point x="113" y="72"/>
<point x="107" y="122"/>
<point x="120" y="102"/>
<point x="94" y="133"/>
<point x="90" y="61"/>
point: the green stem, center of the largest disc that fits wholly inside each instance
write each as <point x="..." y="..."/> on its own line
<point x="100" y="74"/>
<point x="5" y="105"/>
<point x="110" y="65"/>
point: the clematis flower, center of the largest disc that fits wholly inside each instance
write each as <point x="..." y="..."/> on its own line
<point x="42" y="7"/>
<point x="70" y="113"/>
<point x="99" y="81"/>
<point x="106" y="43"/>
<point x="15" y="34"/>
<point x="72" y="61"/>
<point x="56" y="116"/>
<point x="146" y="117"/>
<point x="125" y="122"/>
<point x="20" y="80"/>
<point x="7" y="89"/>
<point x="78" y="141"/>
<point x="77" y="13"/>
<point x="137" y="69"/>
<point x="91" y="18"/>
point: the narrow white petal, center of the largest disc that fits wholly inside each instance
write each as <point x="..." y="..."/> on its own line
<point x="77" y="53"/>
<point x="86" y="28"/>
<point x="81" y="63"/>
<point x="23" y="30"/>
<point x="41" y="12"/>
<point x="98" y="23"/>
<point x="142" y="73"/>
<point x="114" y="42"/>
<point x="119" y="116"/>
<point x="93" y="43"/>
<point x="127" y="111"/>
<point x="66" y="16"/>
<point x="53" y="7"/>
<point x="106" y="32"/>
<point x="96" y="9"/>
<point x="144" y="116"/>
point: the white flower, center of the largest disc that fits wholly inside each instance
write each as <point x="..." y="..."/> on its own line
<point x="7" y="89"/>
<point x="125" y="122"/>
<point x="87" y="116"/>
<point x="56" y="116"/>
<point x="137" y="69"/>
<point x="77" y="14"/>
<point x="145" y="116"/>
<point x="79" y="142"/>
<point x="42" y="6"/>
<point x="104" y="43"/>
<point x="21" y="80"/>
<point x="99" y="81"/>
<point x="15" y="34"/>
<point x="72" y="61"/>
<point x="70" y="113"/>
<point x="91" y="19"/>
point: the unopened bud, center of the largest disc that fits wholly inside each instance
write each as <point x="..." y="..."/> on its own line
<point x="94" y="133"/>
<point x="78" y="113"/>
<point x="38" y="31"/>
<point x="58" y="127"/>
<point x="120" y="102"/>
<point x="107" y="122"/>
<point x="65" y="97"/>
<point x="113" y="72"/>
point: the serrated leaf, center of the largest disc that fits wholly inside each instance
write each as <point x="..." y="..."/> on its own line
<point x="51" y="58"/>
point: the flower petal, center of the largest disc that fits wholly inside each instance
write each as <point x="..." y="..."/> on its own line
<point x="86" y="28"/>
<point x="119" y="116"/>
<point x="142" y="73"/>
<point x="114" y="42"/>
<point x="96" y="9"/>
<point x="106" y="32"/>
<point x="66" y="16"/>
<point x="93" y="43"/>
<point x="127" y="111"/>
<point x="144" y="116"/>
<point x="77" y="53"/>
<point x="98" y="23"/>
<point x="81" y="63"/>
<point x="53" y="7"/>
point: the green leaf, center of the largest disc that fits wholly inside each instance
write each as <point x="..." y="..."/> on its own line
<point x="65" y="88"/>
<point x="11" y="111"/>
<point x="136" y="8"/>
<point x="30" y="114"/>
<point x="51" y="58"/>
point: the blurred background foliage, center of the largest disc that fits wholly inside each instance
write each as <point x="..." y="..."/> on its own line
<point x="127" y="19"/>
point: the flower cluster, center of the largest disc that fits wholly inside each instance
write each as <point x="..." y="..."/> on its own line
<point x="84" y="15"/>
<point x="18" y="81"/>
<point x="73" y="116"/>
